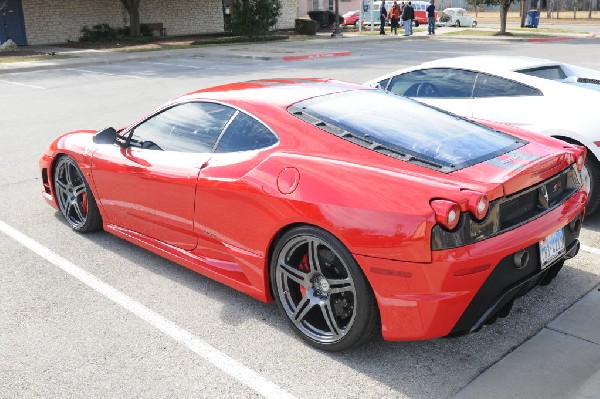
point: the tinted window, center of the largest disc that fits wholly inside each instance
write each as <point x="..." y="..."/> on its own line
<point x="189" y="127"/>
<point x="436" y="82"/>
<point x="245" y="133"/>
<point x="405" y="129"/>
<point x="494" y="86"/>
<point x="553" y="72"/>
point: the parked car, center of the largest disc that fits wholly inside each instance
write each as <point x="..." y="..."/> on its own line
<point x="421" y="13"/>
<point x="455" y="17"/>
<point x="351" y="18"/>
<point x="305" y="191"/>
<point x="547" y="97"/>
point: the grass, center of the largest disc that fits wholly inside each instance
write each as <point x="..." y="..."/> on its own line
<point x="478" y="32"/>
<point x="13" y="59"/>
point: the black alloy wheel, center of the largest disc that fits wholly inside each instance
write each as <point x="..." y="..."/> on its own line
<point x="74" y="197"/>
<point x="321" y="290"/>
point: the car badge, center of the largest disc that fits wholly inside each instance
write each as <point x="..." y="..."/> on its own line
<point x="543" y="197"/>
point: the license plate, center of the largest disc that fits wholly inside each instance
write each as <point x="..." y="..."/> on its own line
<point x="552" y="248"/>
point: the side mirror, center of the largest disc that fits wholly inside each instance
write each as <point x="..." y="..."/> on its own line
<point x="105" y="136"/>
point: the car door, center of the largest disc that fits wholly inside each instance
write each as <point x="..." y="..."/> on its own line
<point x="230" y="204"/>
<point x="505" y="100"/>
<point x="447" y="88"/>
<point x="146" y="183"/>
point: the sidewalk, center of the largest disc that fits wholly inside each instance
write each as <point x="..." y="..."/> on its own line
<point x="561" y="361"/>
<point x="264" y="51"/>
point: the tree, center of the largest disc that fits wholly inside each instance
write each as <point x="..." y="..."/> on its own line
<point x="504" y="5"/>
<point x="133" y="9"/>
<point x="254" y="17"/>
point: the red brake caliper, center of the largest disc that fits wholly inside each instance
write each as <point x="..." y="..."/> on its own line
<point x="304" y="267"/>
<point x="84" y="204"/>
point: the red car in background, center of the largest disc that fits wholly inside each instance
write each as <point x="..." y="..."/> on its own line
<point x="351" y="18"/>
<point x="305" y="191"/>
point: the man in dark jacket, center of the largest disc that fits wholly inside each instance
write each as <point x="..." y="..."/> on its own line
<point x="382" y="18"/>
<point x="431" y="17"/>
<point x="408" y="14"/>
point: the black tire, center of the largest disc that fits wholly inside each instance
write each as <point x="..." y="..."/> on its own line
<point x="321" y="290"/>
<point x="593" y="167"/>
<point x="457" y="23"/>
<point x="74" y="197"/>
<point x="416" y="23"/>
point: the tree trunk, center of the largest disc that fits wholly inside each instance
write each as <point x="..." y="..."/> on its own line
<point x="133" y="9"/>
<point x="590" y="10"/>
<point x="523" y="6"/>
<point x="575" y="3"/>
<point x="549" y="9"/>
<point x="504" y="5"/>
<point x="558" y="5"/>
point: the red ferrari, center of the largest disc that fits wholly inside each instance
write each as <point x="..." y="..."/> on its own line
<point x="351" y="207"/>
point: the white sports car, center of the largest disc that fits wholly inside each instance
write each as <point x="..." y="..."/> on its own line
<point x="547" y="97"/>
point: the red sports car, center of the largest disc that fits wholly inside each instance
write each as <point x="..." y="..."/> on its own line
<point x="351" y="207"/>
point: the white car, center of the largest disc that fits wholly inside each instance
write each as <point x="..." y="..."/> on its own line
<point x="455" y="17"/>
<point x="547" y="97"/>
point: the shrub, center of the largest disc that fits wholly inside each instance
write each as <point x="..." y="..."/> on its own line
<point x="306" y="26"/>
<point x="324" y="18"/>
<point x="254" y="17"/>
<point x="98" y="33"/>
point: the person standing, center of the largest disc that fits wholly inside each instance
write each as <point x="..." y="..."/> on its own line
<point x="394" y="16"/>
<point x="408" y="14"/>
<point x="431" y="17"/>
<point x="383" y="14"/>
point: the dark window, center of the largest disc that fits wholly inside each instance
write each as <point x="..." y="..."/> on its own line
<point x="552" y="72"/>
<point x="383" y="83"/>
<point x="405" y="129"/>
<point x="494" y="86"/>
<point x="189" y="127"/>
<point x="245" y="133"/>
<point x="435" y="82"/>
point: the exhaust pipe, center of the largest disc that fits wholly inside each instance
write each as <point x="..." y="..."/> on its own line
<point x="521" y="259"/>
<point x="574" y="250"/>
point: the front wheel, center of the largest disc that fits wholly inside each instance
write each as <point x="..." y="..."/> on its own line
<point x="74" y="197"/>
<point x="416" y="23"/>
<point x="474" y="24"/>
<point x="321" y="290"/>
<point x="457" y="24"/>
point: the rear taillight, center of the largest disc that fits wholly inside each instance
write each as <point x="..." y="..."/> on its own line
<point x="478" y="205"/>
<point x="447" y="213"/>
<point x="580" y="161"/>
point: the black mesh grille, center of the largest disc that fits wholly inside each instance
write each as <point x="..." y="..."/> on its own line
<point x="510" y="212"/>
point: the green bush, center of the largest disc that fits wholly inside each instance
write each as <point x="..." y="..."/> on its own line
<point x="98" y="33"/>
<point x="254" y="17"/>
<point x="324" y="18"/>
<point x="306" y="26"/>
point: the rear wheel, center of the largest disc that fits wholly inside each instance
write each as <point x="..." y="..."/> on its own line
<point x="457" y="23"/>
<point x="321" y="290"/>
<point x="75" y="199"/>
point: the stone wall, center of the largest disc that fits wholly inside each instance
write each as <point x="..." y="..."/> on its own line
<point x="57" y="21"/>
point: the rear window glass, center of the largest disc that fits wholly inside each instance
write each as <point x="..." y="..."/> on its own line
<point x="553" y="72"/>
<point x="405" y="129"/>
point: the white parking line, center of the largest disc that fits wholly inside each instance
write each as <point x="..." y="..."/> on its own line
<point x="591" y="250"/>
<point x="227" y="364"/>
<point x="102" y="73"/>
<point x="22" y="84"/>
<point x="182" y="65"/>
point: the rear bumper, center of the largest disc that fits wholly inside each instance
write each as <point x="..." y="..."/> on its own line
<point x="464" y="287"/>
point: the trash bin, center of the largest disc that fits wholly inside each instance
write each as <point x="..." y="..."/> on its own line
<point x="533" y="19"/>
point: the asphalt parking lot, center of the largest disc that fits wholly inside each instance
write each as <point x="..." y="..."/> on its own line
<point x="94" y="316"/>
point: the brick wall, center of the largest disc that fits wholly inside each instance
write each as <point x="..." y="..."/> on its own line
<point x="56" y="21"/>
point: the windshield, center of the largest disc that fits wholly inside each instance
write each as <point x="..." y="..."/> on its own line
<point x="405" y="129"/>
